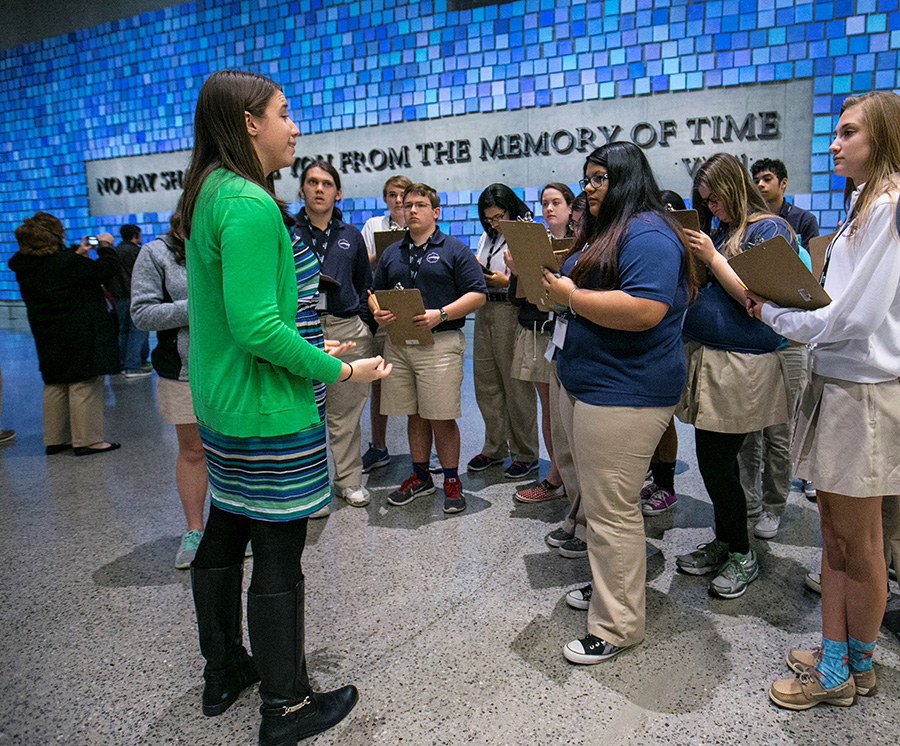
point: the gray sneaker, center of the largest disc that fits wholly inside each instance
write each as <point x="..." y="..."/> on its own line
<point x="706" y="559"/>
<point x="573" y="548"/>
<point x="738" y="572"/>
<point x="375" y="458"/>
<point x="558" y="537"/>
<point x="767" y="526"/>
<point x="188" y="549"/>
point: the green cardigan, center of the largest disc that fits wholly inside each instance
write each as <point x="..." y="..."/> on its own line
<point x="250" y="369"/>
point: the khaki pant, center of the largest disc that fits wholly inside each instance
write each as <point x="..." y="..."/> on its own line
<point x="765" y="457"/>
<point x="345" y="402"/>
<point x="508" y="405"/>
<point x="612" y="447"/>
<point x="575" y="522"/>
<point x="73" y="413"/>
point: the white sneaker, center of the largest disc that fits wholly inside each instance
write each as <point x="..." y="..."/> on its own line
<point x="322" y="512"/>
<point x="767" y="526"/>
<point x="814" y="581"/>
<point x="809" y="489"/>
<point x="358" y="497"/>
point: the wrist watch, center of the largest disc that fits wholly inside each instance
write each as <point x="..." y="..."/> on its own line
<point x="444" y="316"/>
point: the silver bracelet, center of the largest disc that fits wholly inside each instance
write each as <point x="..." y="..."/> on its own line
<point x="572" y="310"/>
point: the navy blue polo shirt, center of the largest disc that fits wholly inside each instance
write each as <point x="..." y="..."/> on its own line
<point x="610" y="367"/>
<point x="448" y="271"/>
<point x="346" y="260"/>
<point x="717" y="320"/>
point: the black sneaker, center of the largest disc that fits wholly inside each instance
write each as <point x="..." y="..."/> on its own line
<point x="410" y="490"/>
<point x="573" y="548"/>
<point x="375" y="458"/>
<point x="580" y="598"/>
<point x="482" y="462"/>
<point x="589" y="650"/>
<point x="520" y="469"/>
<point x="454" y="501"/>
<point x="558" y="537"/>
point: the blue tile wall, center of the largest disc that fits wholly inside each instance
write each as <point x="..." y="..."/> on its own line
<point x="128" y="87"/>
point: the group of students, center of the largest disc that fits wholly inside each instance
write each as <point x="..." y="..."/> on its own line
<point x="643" y="335"/>
<point x="649" y="322"/>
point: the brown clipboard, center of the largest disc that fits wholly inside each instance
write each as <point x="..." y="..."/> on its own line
<point x="774" y="271"/>
<point x="561" y="247"/>
<point x="817" y="248"/>
<point x="531" y="251"/>
<point x="404" y="304"/>
<point x="383" y="239"/>
<point x="687" y="219"/>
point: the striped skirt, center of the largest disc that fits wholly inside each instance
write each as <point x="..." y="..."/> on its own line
<point x="280" y="478"/>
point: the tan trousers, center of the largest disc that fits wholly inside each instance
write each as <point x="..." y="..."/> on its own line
<point x="345" y="402"/>
<point x="612" y="447"/>
<point x="508" y="405"/>
<point x="73" y="413"/>
<point x="575" y="522"/>
<point x="765" y="457"/>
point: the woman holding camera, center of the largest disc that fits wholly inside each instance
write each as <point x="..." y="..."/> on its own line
<point x="73" y="332"/>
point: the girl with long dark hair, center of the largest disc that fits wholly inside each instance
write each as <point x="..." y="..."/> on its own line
<point x="508" y="405"/>
<point x="626" y="285"/>
<point x="251" y="378"/>
<point x="532" y="336"/>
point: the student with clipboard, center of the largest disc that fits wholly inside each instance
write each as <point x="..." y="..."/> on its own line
<point x="847" y="432"/>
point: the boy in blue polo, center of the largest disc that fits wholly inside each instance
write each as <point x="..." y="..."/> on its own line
<point x="426" y="380"/>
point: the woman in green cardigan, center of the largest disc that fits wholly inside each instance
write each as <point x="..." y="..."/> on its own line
<point x="251" y="382"/>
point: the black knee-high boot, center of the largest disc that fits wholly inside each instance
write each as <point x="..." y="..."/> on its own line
<point x="290" y="709"/>
<point x="229" y="669"/>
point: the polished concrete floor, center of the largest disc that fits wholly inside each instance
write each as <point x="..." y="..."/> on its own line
<point x="451" y="627"/>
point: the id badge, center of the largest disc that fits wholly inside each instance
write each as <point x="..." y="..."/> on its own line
<point x="322" y="303"/>
<point x="559" y="332"/>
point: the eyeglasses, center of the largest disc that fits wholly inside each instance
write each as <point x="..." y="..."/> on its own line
<point x="417" y="206"/>
<point x="595" y="182"/>
<point x="495" y="221"/>
<point x="711" y="198"/>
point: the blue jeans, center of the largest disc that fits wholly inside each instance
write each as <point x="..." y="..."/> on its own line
<point x="132" y="341"/>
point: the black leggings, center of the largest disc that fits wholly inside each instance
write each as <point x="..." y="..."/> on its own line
<point x="277" y="548"/>
<point x="717" y="458"/>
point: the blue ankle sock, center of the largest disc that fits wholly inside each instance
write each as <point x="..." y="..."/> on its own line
<point x="451" y="473"/>
<point x="860" y="654"/>
<point x="832" y="667"/>
<point x="421" y="470"/>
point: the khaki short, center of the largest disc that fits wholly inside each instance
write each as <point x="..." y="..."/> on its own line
<point x="733" y="392"/>
<point x="425" y="380"/>
<point x="845" y="437"/>
<point x="529" y="363"/>
<point x="173" y="399"/>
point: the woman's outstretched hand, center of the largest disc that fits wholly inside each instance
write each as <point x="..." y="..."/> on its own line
<point x="366" y="370"/>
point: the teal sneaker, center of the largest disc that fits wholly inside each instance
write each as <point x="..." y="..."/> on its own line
<point x="189" y="543"/>
<point x="737" y="573"/>
<point x="706" y="559"/>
